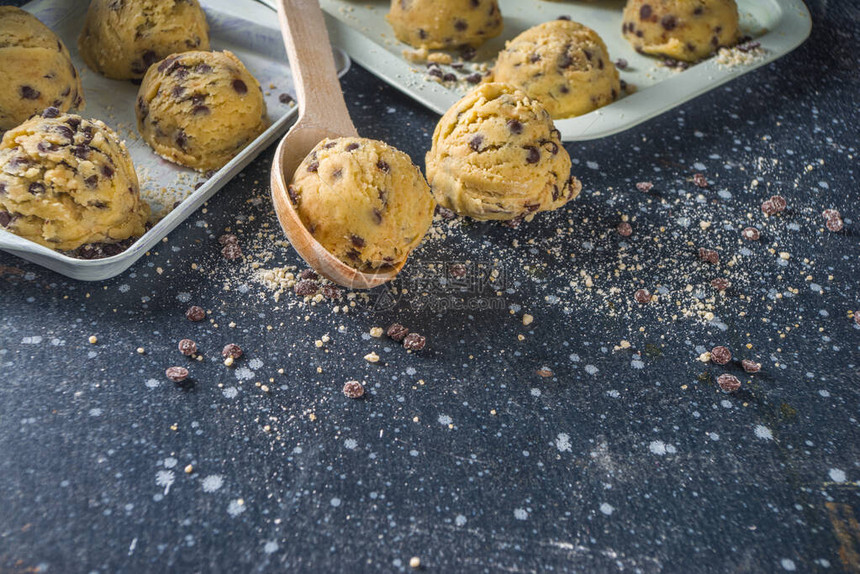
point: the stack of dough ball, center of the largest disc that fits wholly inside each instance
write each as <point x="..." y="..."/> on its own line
<point x="687" y="30"/>
<point x="199" y="109"/>
<point x="563" y="64"/>
<point x="122" y="38"/>
<point x="445" y="24"/>
<point x="497" y="155"/>
<point x="363" y="200"/>
<point x="36" y="71"/>
<point x="66" y="181"/>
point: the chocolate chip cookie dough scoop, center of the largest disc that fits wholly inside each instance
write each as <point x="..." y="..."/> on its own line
<point x="687" y="30"/>
<point x="353" y="208"/>
<point x="36" y="71"/>
<point x="122" y="38"/>
<point x="445" y="24"/>
<point x="66" y="182"/>
<point x="497" y="155"/>
<point x="200" y="109"/>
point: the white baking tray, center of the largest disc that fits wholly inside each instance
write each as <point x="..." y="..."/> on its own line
<point x="246" y="28"/>
<point x="359" y="27"/>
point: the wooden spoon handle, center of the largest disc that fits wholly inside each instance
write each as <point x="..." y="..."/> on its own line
<point x="318" y="89"/>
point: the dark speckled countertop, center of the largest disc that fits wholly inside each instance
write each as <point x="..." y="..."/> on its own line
<point x="592" y="439"/>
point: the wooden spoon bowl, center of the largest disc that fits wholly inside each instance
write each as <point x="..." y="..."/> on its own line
<point x="322" y="114"/>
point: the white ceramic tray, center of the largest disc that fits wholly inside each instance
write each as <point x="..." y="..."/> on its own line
<point x="359" y="27"/>
<point x="244" y="27"/>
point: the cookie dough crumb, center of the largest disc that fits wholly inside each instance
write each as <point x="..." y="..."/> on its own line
<point x="415" y="562"/>
<point x="140" y="350"/>
<point x="371" y="357"/>
<point x="189" y="469"/>
<point x="228" y="361"/>
<point x="376" y="332"/>
<point x="705" y="357"/>
<point x="93" y="339"/>
<point x="528" y="319"/>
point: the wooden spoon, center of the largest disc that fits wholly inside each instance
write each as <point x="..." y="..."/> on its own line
<point x="322" y="114"/>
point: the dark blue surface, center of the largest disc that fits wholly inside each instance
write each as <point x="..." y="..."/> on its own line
<point x="622" y="459"/>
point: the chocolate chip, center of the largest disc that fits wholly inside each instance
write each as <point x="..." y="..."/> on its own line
<point x="202" y="68"/>
<point x="377" y="216"/>
<point x="227" y="239"/>
<point x="449" y="77"/>
<point x="751" y="233"/>
<point x="564" y="17"/>
<point x="294" y="196"/>
<point x="314" y="166"/>
<point x="5" y="218"/>
<point x="306" y="288"/>
<point x="721" y="355"/>
<point x="232" y="351"/>
<point x="176" y="374"/>
<point x="74" y="122"/>
<point x="64" y="131"/>
<point x="750" y="366"/>
<point x="515" y="126"/>
<point x="468" y="53"/>
<point x="187" y="347"/>
<point x="669" y="22"/>
<point x="533" y="155"/>
<point x="550" y="146"/>
<point x="729" y="383"/>
<point x="642" y="296"/>
<point x="709" y="255"/>
<point x="834" y="224"/>
<point x="50" y="112"/>
<point x="476" y="142"/>
<point x="474" y="78"/>
<point x="29" y="93"/>
<point x="166" y="63"/>
<point x="195" y="313"/>
<point x="644" y="186"/>
<point x="353" y="390"/>
<point x="331" y="292"/>
<point x="621" y="64"/>
<point x="352" y="146"/>
<point x="231" y="251"/>
<point x="240" y="87"/>
<point x="645" y="12"/>
<point x="308" y="274"/>
<point x="92" y="181"/>
<point x="2" y="188"/>
<point x="414" y="342"/>
<point x="383" y="166"/>
<point x="181" y="139"/>
<point x="285" y="98"/>
<point x="445" y="213"/>
<point x="624" y="229"/>
<point x="721" y="283"/>
<point x="200" y="110"/>
<point x="36" y="188"/>
<point x="397" y="332"/>
<point x="461" y="25"/>
<point x="45" y="147"/>
<point x="107" y="171"/>
<point x="357" y="241"/>
<point x="774" y="205"/>
<point x="700" y="180"/>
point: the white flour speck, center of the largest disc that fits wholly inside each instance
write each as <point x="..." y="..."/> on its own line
<point x="837" y="475"/>
<point x="244" y="374"/>
<point x="763" y="432"/>
<point x="335" y="502"/>
<point x="212" y="482"/>
<point x="270" y="547"/>
<point x="521" y="514"/>
<point x="255" y="364"/>
<point x="562" y="442"/>
<point x="445" y="420"/>
<point x="607" y="509"/>
<point x="236" y="507"/>
<point x="165" y="478"/>
<point x="350" y="443"/>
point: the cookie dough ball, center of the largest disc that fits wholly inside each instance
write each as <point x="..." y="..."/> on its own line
<point x="445" y="24"/>
<point x="36" y="71"/>
<point x="363" y="200"/>
<point x="497" y="155"/>
<point x="199" y="109"/>
<point x="687" y="30"/>
<point x="66" y="181"/>
<point x="562" y="64"/>
<point x="122" y="38"/>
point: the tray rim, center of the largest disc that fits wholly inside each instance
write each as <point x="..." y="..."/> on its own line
<point x="108" y="267"/>
<point x="792" y="30"/>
